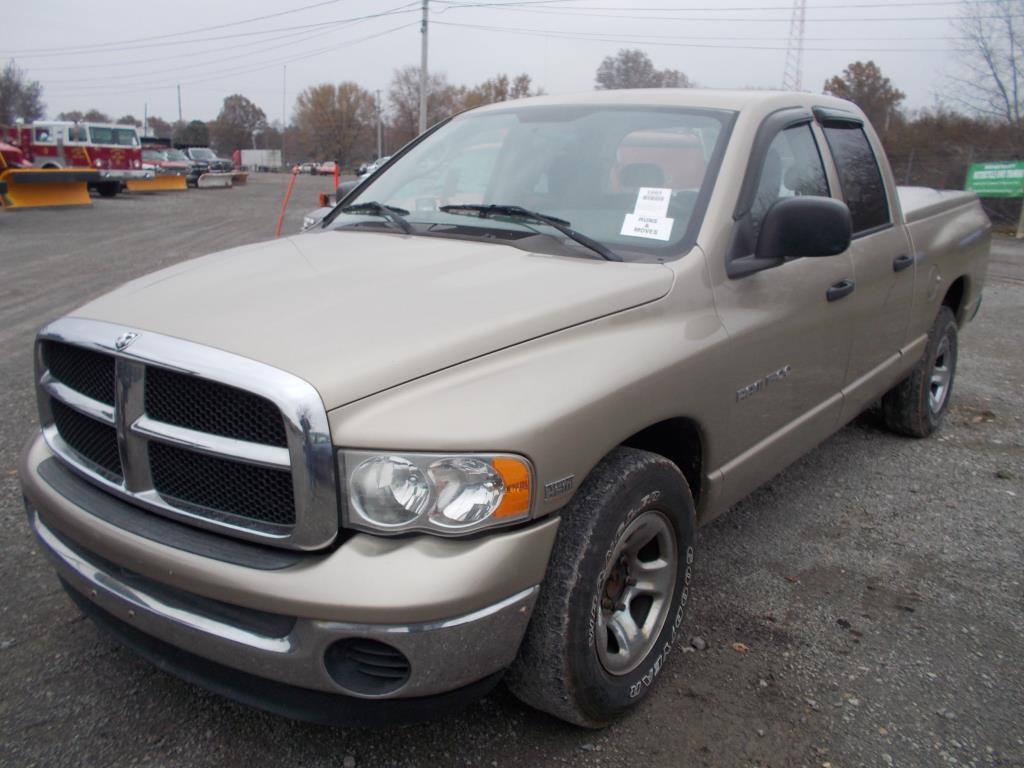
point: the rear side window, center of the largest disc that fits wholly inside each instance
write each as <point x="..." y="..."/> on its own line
<point x="859" y="176"/>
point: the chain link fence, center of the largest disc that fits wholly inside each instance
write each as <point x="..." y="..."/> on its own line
<point x="945" y="167"/>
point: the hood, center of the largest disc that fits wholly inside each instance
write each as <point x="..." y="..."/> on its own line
<point x="354" y="313"/>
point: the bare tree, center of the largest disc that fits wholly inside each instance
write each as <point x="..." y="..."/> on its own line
<point x="334" y="120"/>
<point x="632" y="68"/>
<point x="443" y="100"/>
<point x="234" y="127"/>
<point x="991" y="82"/>
<point x="499" y="88"/>
<point x="19" y="96"/>
<point x="864" y="85"/>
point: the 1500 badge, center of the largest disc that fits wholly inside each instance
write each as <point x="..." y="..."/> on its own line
<point x="778" y="375"/>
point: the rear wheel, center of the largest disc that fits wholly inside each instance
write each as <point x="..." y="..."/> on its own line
<point x="613" y="599"/>
<point x="916" y="405"/>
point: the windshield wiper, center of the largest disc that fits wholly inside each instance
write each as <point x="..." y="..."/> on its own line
<point x="395" y="215"/>
<point x="518" y="212"/>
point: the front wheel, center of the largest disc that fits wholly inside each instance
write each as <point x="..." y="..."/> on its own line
<point x="613" y="599"/>
<point x="916" y="405"/>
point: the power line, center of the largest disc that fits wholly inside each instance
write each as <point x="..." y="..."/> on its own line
<point x="135" y="75"/>
<point x="453" y="4"/>
<point x="90" y="50"/>
<point x="226" y="25"/>
<point x="142" y="87"/>
<point x="600" y="12"/>
<point x="641" y="40"/>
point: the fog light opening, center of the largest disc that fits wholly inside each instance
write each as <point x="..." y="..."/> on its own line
<point x="366" y="667"/>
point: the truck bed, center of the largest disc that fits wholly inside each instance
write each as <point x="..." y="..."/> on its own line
<point x="923" y="202"/>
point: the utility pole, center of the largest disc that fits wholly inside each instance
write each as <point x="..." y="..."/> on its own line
<point x="792" y="75"/>
<point x="423" y="71"/>
<point x="179" y="105"/>
<point x="380" y="129"/>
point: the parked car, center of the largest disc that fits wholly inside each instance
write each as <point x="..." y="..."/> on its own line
<point x="327" y="168"/>
<point x="309" y="167"/>
<point x="480" y="448"/>
<point x="368" y="169"/>
<point x="166" y="161"/>
<point x="206" y="155"/>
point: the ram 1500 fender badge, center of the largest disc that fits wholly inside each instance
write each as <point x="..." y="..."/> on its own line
<point x="777" y="375"/>
<point x="124" y="340"/>
<point x="558" y="487"/>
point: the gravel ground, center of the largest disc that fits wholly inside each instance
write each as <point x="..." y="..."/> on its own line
<point x="875" y="585"/>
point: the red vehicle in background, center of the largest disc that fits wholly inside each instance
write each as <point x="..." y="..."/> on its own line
<point x="114" y="151"/>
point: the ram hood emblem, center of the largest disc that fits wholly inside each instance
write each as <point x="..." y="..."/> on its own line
<point x="124" y="340"/>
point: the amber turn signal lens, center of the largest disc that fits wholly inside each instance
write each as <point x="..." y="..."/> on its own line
<point x="516" y="476"/>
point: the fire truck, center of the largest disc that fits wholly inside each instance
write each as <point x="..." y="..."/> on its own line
<point x="114" y="151"/>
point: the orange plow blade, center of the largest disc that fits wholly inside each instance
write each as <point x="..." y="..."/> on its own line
<point x="41" y="188"/>
<point x="159" y="183"/>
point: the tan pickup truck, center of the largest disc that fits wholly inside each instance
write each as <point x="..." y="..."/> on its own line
<point x="465" y="426"/>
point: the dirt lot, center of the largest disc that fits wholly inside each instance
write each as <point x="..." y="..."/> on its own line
<point x="878" y="583"/>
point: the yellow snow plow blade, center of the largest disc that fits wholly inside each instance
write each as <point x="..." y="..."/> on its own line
<point x="159" y="183"/>
<point x="44" y="187"/>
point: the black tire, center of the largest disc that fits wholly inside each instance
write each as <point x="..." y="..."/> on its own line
<point x="561" y="668"/>
<point x="108" y="188"/>
<point x="912" y="407"/>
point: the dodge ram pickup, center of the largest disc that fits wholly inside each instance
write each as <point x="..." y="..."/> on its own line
<point x="464" y="427"/>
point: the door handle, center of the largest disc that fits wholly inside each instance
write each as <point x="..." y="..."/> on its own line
<point x="840" y="289"/>
<point x="902" y="261"/>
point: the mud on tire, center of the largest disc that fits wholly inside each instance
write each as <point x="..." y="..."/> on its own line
<point x="563" y="663"/>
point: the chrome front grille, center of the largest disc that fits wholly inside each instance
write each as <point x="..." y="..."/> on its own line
<point x="190" y="432"/>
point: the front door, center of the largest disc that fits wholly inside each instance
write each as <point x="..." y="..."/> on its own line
<point x="789" y="327"/>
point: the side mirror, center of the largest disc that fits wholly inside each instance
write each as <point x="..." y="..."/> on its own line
<point x="794" y="228"/>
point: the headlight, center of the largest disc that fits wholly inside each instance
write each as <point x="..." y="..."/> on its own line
<point x="443" y="494"/>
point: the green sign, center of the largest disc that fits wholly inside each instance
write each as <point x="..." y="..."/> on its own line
<point x="996" y="179"/>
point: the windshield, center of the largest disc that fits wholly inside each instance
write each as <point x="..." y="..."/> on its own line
<point x="152" y="156"/>
<point x="175" y="154"/>
<point x="635" y="179"/>
<point x="202" y="153"/>
<point x="122" y="137"/>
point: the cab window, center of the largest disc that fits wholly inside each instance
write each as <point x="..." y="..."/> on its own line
<point x="792" y="166"/>
<point x="860" y="177"/>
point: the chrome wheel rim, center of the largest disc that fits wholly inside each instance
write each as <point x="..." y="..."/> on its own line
<point x="636" y="593"/>
<point x="942" y="372"/>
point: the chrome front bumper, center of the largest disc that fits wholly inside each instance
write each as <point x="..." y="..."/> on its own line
<point x="121" y="574"/>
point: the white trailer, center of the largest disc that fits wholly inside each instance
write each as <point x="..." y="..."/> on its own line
<point x="261" y="159"/>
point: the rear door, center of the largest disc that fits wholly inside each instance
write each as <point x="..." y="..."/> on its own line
<point x="883" y="261"/>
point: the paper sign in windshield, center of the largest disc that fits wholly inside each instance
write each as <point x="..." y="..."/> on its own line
<point x="642" y="225"/>
<point x="653" y="201"/>
<point x="650" y="215"/>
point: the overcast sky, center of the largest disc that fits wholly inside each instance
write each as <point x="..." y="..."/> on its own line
<point x="92" y="54"/>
